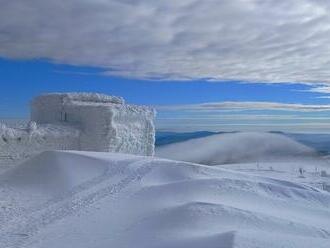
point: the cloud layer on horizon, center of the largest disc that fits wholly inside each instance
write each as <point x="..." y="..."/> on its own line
<point x="249" y="40"/>
<point x="232" y="106"/>
<point x="244" y="116"/>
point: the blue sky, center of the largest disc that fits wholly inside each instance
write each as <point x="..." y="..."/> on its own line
<point x="205" y="65"/>
<point x="22" y="80"/>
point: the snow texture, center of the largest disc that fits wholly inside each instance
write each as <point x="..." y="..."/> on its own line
<point x="17" y="144"/>
<point x="87" y="199"/>
<point x="80" y="121"/>
<point x="107" y="124"/>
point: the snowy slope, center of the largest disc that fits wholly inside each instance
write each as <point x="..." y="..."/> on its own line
<point x="102" y="200"/>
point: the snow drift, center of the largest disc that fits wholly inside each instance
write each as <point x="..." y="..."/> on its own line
<point x="86" y="199"/>
<point x="236" y="148"/>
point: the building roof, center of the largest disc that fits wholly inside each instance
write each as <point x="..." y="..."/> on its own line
<point x="84" y="98"/>
<point x="87" y="99"/>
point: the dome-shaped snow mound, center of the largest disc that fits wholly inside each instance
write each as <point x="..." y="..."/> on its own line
<point x="235" y="148"/>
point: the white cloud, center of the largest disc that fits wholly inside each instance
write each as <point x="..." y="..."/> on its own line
<point x="253" y="40"/>
<point x="323" y="89"/>
<point x="244" y="117"/>
<point x="232" y="106"/>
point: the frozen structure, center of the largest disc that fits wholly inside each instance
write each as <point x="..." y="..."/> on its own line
<point x="81" y="121"/>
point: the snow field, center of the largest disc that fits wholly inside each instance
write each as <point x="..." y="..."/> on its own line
<point x="86" y="199"/>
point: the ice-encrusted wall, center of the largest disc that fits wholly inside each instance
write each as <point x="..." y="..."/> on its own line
<point x="80" y="121"/>
<point x="68" y="107"/>
<point x="105" y="122"/>
<point x="134" y="129"/>
<point x="17" y="144"/>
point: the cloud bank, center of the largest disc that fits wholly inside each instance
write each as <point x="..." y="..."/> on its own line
<point x="236" y="148"/>
<point x="250" y="40"/>
<point x="232" y="106"/>
<point x="244" y="116"/>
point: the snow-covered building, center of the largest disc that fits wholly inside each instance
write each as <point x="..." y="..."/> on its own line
<point x="81" y="121"/>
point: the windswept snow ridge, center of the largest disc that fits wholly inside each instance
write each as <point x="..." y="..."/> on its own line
<point x="86" y="199"/>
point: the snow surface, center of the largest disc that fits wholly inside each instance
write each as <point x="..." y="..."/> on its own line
<point x="101" y="200"/>
<point x="236" y="148"/>
<point x="49" y="108"/>
<point x="106" y="123"/>
<point x="17" y="144"/>
<point x="79" y="121"/>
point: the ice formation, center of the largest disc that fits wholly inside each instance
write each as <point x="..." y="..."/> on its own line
<point x="81" y="121"/>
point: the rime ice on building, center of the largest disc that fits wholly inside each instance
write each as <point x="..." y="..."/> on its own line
<point x="81" y="121"/>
